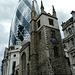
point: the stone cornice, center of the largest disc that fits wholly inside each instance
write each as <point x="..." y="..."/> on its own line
<point x="46" y="15"/>
<point x="53" y="27"/>
<point x="43" y="14"/>
<point x="68" y="37"/>
<point x="71" y="49"/>
<point x="13" y="51"/>
<point x="67" y="23"/>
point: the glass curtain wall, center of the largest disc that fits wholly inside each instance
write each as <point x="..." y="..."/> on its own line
<point x="22" y="16"/>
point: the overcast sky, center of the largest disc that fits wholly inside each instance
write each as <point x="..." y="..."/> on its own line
<point x="7" y="8"/>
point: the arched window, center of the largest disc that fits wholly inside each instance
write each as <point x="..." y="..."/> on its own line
<point x="56" y="51"/>
<point x="23" y="64"/>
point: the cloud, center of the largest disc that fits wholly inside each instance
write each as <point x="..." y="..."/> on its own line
<point x="5" y="28"/>
<point x="62" y="7"/>
<point x="7" y="9"/>
<point x="62" y="17"/>
<point x="4" y="36"/>
<point x="0" y="69"/>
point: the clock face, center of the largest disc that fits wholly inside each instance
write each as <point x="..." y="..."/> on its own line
<point x="54" y="41"/>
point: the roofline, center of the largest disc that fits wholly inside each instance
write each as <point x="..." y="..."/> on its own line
<point x="24" y="46"/>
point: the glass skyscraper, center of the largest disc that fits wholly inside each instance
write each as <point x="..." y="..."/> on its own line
<point x="21" y="19"/>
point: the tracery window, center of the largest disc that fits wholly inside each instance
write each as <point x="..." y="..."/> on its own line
<point x="23" y="64"/>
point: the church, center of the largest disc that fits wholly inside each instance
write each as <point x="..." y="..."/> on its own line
<point x="44" y="53"/>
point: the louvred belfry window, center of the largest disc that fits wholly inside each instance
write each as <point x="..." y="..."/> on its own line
<point x="51" y="21"/>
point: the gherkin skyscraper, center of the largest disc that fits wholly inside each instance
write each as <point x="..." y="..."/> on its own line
<point x="20" y="26"/>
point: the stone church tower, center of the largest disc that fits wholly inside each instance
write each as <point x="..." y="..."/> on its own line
<point x="46" y="53"/>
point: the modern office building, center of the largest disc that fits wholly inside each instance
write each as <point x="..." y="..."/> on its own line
<point x="21" y="20"/>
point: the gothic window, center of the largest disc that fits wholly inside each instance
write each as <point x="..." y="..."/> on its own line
<point x="72" y="40"/>
<point x="51" y="21"/>
<point x="52" y="34"/>
<point x="56" y="51"/>
<point x="23" y="64"/>
<point x="38" y="23"/>
<point x="39" y="35"/>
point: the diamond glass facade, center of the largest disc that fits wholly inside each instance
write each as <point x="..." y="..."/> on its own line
<point x="22" y="16"/>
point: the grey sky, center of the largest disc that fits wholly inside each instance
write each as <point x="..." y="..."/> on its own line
<point x="7" y="8"/>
